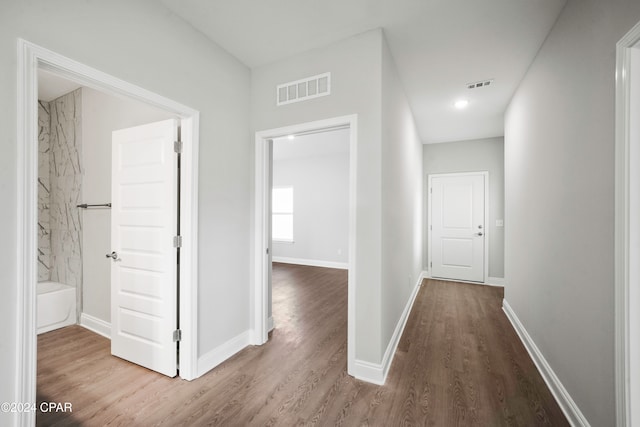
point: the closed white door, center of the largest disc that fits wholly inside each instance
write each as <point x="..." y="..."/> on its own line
<point x="458" y="227"/>
<point x="144" y="218"/>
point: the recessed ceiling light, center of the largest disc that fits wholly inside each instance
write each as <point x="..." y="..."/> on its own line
<point x="461" y="104"/>
<point x="291" y="137"/>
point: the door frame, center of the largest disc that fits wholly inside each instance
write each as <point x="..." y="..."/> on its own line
<point x="262" y="246"/>
<point x="32" y="57"/>
<point x="485" y="174"/>
<point x="626" y="222"/>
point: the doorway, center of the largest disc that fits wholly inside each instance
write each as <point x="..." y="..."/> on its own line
<point x="263" y="254"/>
<point x="310" y="199"/>
<point x="457" y="216"/>
<point x="31" y="59"/>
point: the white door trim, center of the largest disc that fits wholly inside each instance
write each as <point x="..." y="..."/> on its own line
<point x="30" y="58"/>
<point x="261" y="240"/>
<point x="486" y="215"/>
<point x="627" y="221"/>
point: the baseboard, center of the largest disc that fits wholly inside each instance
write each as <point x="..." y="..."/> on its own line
<point x="270" y="324"/>
<point x="566" y="403"/>
<point x="96" y="325"/>
<point x="311" y="262"/>
<point x="491" y="281"/>
<point x="426" y="274"/>
<point x="221" y="353"/>
<point x="376" y="373"/>
<point x="369" y="372"/>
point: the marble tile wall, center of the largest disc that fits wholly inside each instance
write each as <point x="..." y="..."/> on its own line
<point x="65" y="190"/>
<point x="44" y="189"/>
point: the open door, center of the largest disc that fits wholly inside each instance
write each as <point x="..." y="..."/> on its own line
<point x="144" y="226"/>
<point x="458" y="227"/>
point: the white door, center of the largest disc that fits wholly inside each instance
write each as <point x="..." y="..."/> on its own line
<point x="144" y="218"/>
<point x="458" y="227"/>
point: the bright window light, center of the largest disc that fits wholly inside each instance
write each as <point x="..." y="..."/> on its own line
<point x="282" y="214"/>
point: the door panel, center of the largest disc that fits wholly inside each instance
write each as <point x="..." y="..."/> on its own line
<point x="458" y="227"/>
<point x="143" y="224"/>
<point x="457" y="252"/>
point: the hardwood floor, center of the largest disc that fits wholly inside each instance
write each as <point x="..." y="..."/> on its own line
<point x="459" y="363"/>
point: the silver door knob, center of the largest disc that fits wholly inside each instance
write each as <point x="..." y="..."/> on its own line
<point x="479" y="234"/>
<point x="113" y="255"/>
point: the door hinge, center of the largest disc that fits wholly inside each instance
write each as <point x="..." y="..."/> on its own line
<point x="430" y="265"/>
<point x="267" y="251"/>
<point x="177" y="241"/>
<point x="177" y="335"/>
<point x="177" y="146"/>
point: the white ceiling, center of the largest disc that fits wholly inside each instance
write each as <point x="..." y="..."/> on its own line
<point x="51" y="86"/>
<point x="438" y="46"/>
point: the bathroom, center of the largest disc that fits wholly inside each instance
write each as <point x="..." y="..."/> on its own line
<point x="74" y="168"/>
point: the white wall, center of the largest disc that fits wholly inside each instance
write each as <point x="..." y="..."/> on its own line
<point x="101" y="115"/>
<point x="147" y="45"/>
<point x="364" y="81"/>
<point x="559" y="193"/>
<point x="472" y="156"/>
<point x="320" y="181"/>
<point x="401" y="200"/>
<point x="355" y="89"/>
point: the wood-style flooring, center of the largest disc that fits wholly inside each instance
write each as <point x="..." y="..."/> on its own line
<point x="459" y="363"/>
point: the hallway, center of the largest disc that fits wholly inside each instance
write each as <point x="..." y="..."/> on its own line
<point x="459" y="362"/>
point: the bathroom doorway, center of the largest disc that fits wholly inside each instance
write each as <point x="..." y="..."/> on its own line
<point x="34" y="59"/>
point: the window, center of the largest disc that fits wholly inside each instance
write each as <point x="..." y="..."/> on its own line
<point x="282" y="214"/>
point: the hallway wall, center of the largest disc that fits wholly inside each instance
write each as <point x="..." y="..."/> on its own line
<point x="559" y="185"/>
<point x="401" y="202"/>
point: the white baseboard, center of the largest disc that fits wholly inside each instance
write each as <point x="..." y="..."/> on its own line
<point x="495" y="281"/>
<point x="311" y="262"/>
<point x="221" y="353"/>
<point x="566" y="403"/>
<point x="369" y="372"/>
<point x="491" y="281"/>
<point x="96" y="325"/>
<point x="376" y="373"/>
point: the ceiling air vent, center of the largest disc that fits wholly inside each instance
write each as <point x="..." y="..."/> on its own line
<point x="301" y="90"/>
<point x="483" y="83"/>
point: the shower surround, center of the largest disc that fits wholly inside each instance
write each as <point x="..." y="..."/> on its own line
<point x="60" y="190"/>
<point x="44" y="191"/>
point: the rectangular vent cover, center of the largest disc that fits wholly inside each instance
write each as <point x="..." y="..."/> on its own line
<point x="483" y="83"/>
<point x="301" y="90"/>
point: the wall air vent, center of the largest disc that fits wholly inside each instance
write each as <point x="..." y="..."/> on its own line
<point x="476" y="85"/>
<point x="304" y="89"/>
